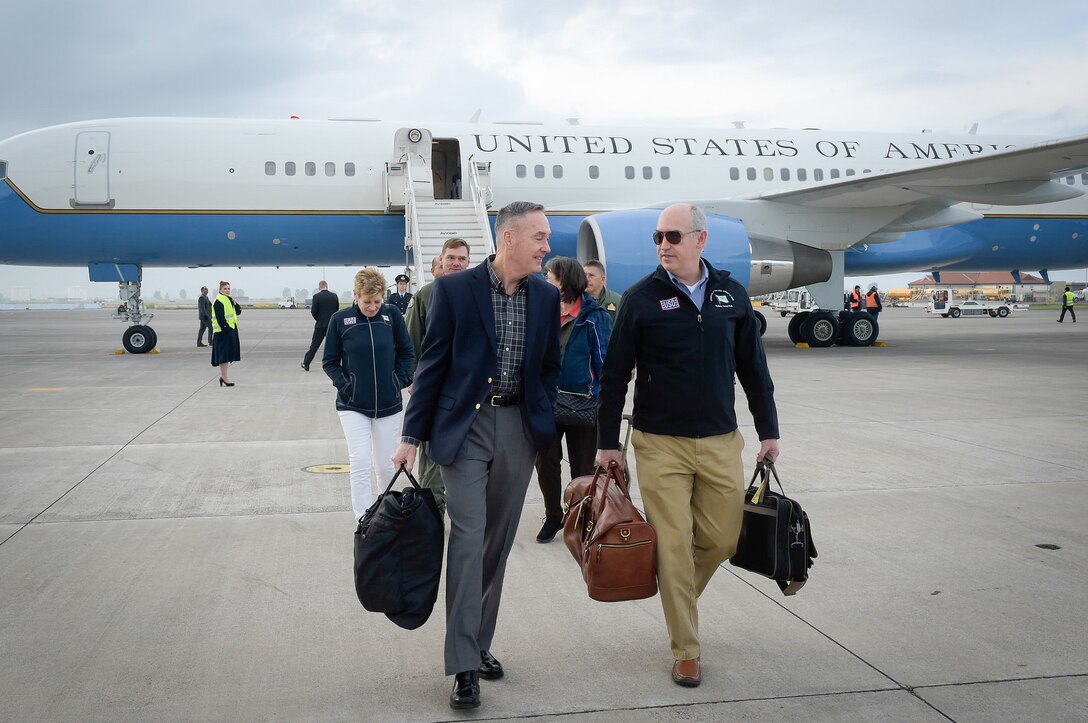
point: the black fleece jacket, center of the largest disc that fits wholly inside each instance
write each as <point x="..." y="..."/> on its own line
<point x="686" y="360"/>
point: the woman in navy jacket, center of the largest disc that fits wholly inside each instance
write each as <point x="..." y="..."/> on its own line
<point x="583" y="337"/>
<point x="368" y="356"/>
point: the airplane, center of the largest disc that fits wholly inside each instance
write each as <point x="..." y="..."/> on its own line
<point x="786" y="208"/>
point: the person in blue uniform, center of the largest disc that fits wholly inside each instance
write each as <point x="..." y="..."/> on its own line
<point x="400" y="298"/>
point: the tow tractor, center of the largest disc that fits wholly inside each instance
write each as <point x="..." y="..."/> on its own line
<point x="941" y="303"/>
<point x="794" y="302"/>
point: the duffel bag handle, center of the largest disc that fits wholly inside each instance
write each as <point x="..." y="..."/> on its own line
<point x="764" y="470"/>
<point x="393" y="481"/>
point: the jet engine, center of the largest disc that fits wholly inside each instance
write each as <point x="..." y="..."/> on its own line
<point x="622" y="240"/>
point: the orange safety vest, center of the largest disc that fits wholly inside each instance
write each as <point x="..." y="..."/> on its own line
<point x="871" y="300"/>
<point x="855" y="300"/>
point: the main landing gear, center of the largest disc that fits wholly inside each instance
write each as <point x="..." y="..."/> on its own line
<point x="826" y="328"/>
<point x="138" y="338"/>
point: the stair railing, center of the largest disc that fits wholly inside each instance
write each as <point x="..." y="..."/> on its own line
<point x="481" y="198"/>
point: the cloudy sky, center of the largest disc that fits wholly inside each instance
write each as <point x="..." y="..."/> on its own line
<point x="834" y="64"/>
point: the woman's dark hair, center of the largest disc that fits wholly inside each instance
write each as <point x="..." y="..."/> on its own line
<point x="571" y="276"/>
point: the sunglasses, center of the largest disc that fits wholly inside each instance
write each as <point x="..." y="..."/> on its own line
<point x="673" y="237"/>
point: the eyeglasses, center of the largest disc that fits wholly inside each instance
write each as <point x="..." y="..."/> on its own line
<point x="672" y="237"/>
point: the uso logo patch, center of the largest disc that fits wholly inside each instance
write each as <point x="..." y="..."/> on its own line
<point x="349" y="320"/>
<point x="670" y="304"/>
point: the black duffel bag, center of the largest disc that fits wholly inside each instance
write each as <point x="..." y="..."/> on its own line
<point x="398" y="554"/>
<point x="775" y="536"/>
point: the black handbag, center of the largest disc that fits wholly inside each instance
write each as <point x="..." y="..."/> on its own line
<point x="398" y="554"/>
<point x="775" y="535"/>
<point x="576" y="410"/>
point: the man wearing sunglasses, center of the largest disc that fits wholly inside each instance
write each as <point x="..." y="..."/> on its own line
<point x="689" y="329"/>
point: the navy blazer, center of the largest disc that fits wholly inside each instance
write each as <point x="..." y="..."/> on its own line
<point x="458" y="361"/>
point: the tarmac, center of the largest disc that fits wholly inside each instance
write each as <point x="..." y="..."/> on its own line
<point x="165" y="555"/>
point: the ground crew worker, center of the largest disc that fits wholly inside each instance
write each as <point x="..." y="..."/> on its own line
<point x="856" y="299"/>
<point x="872" y="302"/>
<point x="1067" y="305"/>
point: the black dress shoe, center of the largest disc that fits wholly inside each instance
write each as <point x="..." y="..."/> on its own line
<point x="305" y="367"/>
<point x="551" y="526"/>
<point x="466" y="690"/>
<point x="490" y="668"/>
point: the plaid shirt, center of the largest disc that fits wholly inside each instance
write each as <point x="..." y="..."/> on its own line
<point x="509" y="332"/>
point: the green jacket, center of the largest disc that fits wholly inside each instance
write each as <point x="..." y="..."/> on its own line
<point x="416" y="319"/>
<point x="610" y="302"/>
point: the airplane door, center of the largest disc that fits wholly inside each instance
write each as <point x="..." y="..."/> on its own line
<point x="413" y="145"/>
<point x="92" y="169"/>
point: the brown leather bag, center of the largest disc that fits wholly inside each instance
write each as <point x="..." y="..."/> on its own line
<point x="609" y="538"/>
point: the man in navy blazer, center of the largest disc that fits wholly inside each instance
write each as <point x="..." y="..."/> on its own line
<point x="483" y="397"/>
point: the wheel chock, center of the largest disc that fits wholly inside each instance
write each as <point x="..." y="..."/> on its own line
<point x="801" y="345"/>
<point x="879" y="343"/>
<point x="118" y="351"/>
<point x="154" y="351"/>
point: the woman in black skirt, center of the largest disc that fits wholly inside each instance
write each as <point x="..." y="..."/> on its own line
<point x="225" y="345"/>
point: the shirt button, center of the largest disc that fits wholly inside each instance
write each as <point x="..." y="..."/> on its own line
<point x="489" y="380"/>
<point x="477" y="406"/>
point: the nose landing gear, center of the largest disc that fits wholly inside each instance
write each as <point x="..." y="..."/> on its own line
<point x="138" y="338"/>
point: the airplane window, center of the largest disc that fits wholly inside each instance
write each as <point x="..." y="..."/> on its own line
<point x="629" y="171"/>
<point x="594" y="172"/>
<point x="647" y="172"/>
<point x="519" y="170"/>
<point x="665" y="173"/>
<point x="802" y="174"/>
<point x="1069" y="180"/>
<point x="289" y="168"/>
<point x="269" y="168"/>
<point x="817" y="174"/>
<point x="785" y="174"/>
<point x="557" y="171"/>
<point x="751" y="173"/>
<point x="867" y="170"/>
<point x="768" y="174"/>
<point x="349" y="169"/>
<point x="734" y="174"/>
<point x="1083" y="176"/>
<point x="849" y="171"/>
<point x="3" y="169"/>
<point x="330" y="169"/>
<point x="538" y="171"/>
<point x="834" y="172"/>
<point x="311" y="168"/>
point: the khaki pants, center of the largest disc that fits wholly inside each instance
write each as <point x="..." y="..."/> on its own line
<point x="693" y="490"/>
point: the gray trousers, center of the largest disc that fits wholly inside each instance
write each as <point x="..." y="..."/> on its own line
<point x="485" y="494"/>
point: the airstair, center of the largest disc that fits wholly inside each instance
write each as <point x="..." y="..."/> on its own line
<point x="428" y="221"/>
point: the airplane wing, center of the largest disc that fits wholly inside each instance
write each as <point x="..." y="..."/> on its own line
<point x="1018" y="176"/>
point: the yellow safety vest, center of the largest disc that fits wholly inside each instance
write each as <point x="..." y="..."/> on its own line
<point x="228" y="313"/>
<point x="1068" y="298"/>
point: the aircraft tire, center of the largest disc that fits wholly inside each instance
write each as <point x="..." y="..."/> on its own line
<point x="954" y="313"/>
<point x="1003" y="312"/>
<point x="860" y="330"/>
<point x="821" y="329"/>
<point x="139" y="339"/>
<point x="762" y="322"/>
<point x="794" y="329"/>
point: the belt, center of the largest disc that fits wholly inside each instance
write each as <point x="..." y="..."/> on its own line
<point x="504" y="400"/>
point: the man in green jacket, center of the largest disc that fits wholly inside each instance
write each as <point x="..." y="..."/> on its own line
<point x="1067" y="305"/>
<point x="454" y="257"/>
<point x="595" y="285"/>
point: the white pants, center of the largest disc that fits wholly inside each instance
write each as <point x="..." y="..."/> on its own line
<point x="371" y="442"/>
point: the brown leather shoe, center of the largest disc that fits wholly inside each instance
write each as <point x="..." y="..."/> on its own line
<point x="687" y="673"/>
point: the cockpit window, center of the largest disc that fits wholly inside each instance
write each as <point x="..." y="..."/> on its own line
<point x="3" y="170"/>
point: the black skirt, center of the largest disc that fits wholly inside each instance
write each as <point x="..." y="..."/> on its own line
<point x="226" y="347"/>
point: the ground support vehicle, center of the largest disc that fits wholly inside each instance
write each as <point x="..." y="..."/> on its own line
<point x="940" y="303"/>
